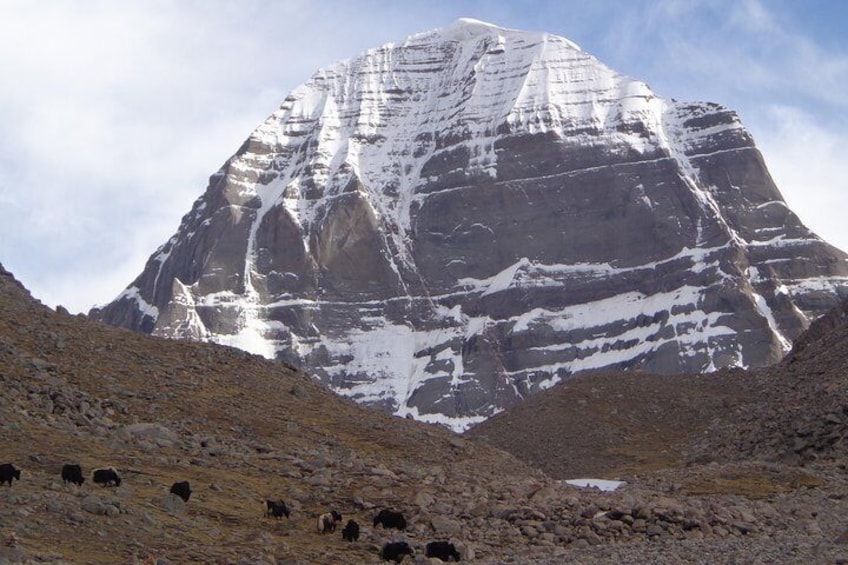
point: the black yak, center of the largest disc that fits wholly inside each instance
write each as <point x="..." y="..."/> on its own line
<point x="395" y="550"/>
<point x="182" y="489"/>
<point x="443" y="550"/>
<point x="8" y="472"/>
<point x="72" y="473"/>
<point x="276" y="508"/>
<point x="106" y="476"/>
<point x="390" y="519"/>
<point x="351" y="531"/>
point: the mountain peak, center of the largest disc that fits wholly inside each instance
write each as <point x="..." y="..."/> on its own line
<point x="465" y="29"/>
<point x="473" y="26"/>
<point x="447" y="225"/>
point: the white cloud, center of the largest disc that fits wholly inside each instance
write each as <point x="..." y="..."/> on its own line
<point x="729" y="51"/>
<point x="807" y="162"/>
<point x="115" y="113"/>
<point x="752" y="16"/>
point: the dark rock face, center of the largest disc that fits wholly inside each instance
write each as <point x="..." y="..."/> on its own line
<point x="449" y="224"/>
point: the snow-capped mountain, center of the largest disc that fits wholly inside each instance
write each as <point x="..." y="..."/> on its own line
<point x="447" y="224"/>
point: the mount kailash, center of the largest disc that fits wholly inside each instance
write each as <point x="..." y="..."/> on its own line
<point x="447" y="224"/>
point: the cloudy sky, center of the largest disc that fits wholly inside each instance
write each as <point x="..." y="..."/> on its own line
<point x="114" y="114"/>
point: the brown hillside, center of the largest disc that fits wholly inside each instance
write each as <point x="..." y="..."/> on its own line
<point x="242" y="429"/>
<point x="615" y="424"/>
<point x="800" y="414"/>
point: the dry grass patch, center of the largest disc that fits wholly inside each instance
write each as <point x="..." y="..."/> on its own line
<point x="754" y="483"/>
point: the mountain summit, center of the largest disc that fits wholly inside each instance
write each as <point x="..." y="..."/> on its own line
<point x="447" y="224"/>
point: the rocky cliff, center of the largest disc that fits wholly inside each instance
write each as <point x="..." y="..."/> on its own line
<point x="445" y="225"/>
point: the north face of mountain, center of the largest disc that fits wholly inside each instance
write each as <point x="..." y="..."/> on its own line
<point x="445" y="225"/>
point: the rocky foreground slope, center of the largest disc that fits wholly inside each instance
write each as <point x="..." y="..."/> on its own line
<point x="242" y="429"/>
<point x="445" y="225"/>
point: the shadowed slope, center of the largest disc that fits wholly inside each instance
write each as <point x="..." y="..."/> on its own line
<point x="800" y="413"/>
<point x="618" y="423"/>
<point x="612" y="424"/>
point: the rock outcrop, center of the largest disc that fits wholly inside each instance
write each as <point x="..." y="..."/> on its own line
<point x="448" y="224"/>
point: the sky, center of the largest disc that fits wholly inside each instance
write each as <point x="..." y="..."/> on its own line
<point x="114" y="114"/>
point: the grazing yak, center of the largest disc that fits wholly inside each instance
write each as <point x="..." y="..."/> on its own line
<point x="390" y="519"/>
<point x="182" y="489"/>
<point x="443" y="550"/>
<point x="328" y="520"/>
<point x="351" y="531"/>
<point x="8" y="472"/>
<point x="105" y="476"/>
<point x="72" y="474"/>
<point x="395" y="551"/>
<point x="276" y="508"/>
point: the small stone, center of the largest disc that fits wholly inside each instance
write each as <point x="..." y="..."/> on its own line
<point x="529" y="531"/>
<point x="445" y="526"/>
<point x="591" y="537"/>
<point x="173" y="503"/>
<point x="580" y="543"/>
<point x="424" y="499"/>
<point x="93" y="505"/>
<point x="654" y="530"/>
